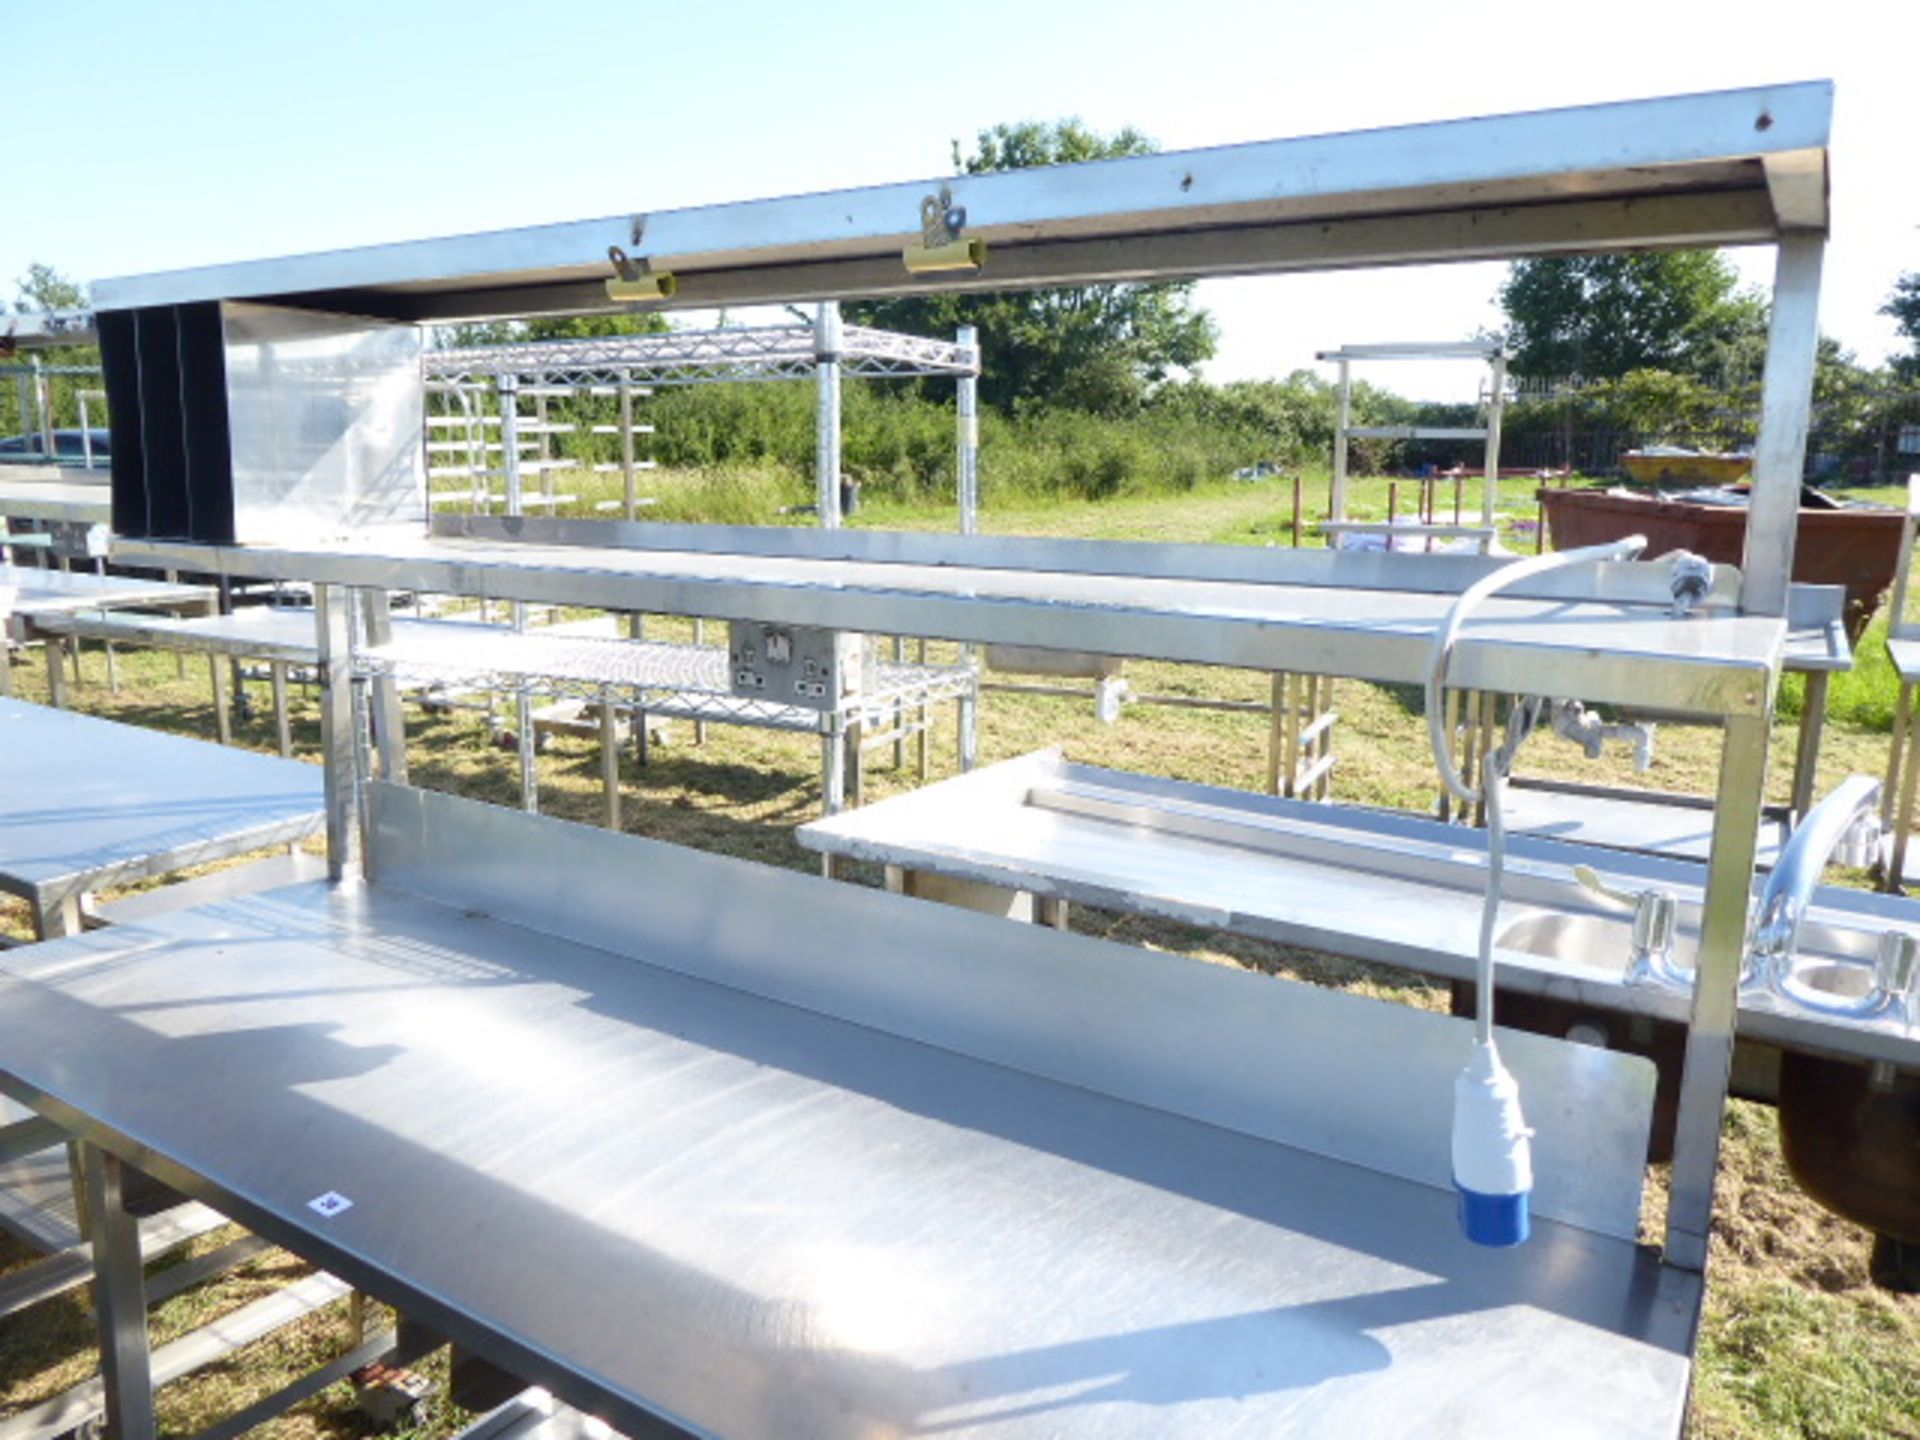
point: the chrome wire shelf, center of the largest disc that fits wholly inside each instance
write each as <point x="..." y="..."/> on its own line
<point x="652" y="675"/>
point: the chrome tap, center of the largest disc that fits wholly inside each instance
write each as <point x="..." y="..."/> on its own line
<point x="1845" y="825"/>
<point x="1655" y="919"/>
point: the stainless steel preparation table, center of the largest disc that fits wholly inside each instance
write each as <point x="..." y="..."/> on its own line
<point x="1031" y="835"/>
<point x="677" y="1150"/>
<point x="87" y="803"/>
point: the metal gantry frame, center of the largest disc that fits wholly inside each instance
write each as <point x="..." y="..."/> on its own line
<point x="826" y="352"/>
<point x="1742" y="167"/>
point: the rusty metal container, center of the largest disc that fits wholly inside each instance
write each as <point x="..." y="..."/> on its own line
<point x="1854" y="546"/>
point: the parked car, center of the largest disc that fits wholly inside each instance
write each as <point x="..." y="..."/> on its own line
<point x="67" y="444"/>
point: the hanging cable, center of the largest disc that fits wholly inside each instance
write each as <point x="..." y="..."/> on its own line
<point x="1492" y="1159"/>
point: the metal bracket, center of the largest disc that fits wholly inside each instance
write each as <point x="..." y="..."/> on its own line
<point x="941" y="246"/>
<point x="940" y="219"/>
<point x="636" y="280"/>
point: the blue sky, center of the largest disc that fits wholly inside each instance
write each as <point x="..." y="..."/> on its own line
<point x="146" y="136"/>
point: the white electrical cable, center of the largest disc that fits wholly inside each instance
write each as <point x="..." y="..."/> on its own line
<point x="1492" y="777"/>
<point x="1492" y="1154"/>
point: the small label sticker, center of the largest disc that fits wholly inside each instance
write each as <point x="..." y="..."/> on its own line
<point x="330" y="1204"/>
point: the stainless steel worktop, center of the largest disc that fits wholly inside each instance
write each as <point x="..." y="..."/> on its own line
<point x="776" y="1158"/>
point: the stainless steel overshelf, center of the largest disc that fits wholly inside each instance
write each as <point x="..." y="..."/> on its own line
<point x="1348" y="617"/>
<point x="697" y="1142"/>
<point x="1389" y="888"/>
<point x="1735" y="167"/>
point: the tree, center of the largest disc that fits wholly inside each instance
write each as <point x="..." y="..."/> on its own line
<point x="1903" y="304"/>
<point x="1097" y="347"/>
<point x="45" y="288"/>
<point x="1600" y="316"/>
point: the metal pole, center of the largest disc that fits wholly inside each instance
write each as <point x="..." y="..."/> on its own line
<point x="283" y="728"/>
<point x="222" y="706"/>
<point x="626" y="443"/>
<point x="1780" y="452"/>
<point x="119" y="1298"/>
<point x="1716" y="987"/>
<point x="1340" y="445"/>
<point x="826" y="463"/>
<point x="43" y="404"/>
<point x="1806" y="759"/>
<point x="86" y="430"/>
<point x="509" y="386"/>
<point x="334" y="671"/>
<point x="967" y="403"/>
<point x="509" y="390"/>
<point x="610" y="762"/>
<point x="1496" y="403"/>
<point x="56" y="672"/>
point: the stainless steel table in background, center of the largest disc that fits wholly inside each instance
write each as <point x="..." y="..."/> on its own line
<point x="29" y="595"/>
<point x="87" y="803"/>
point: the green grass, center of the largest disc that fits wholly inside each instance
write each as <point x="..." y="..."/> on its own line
<point x="1796" y="1342"/>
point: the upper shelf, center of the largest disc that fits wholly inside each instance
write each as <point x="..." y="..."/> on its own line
<point x="1727" y="168"/>
<point x="1604" y="637"/>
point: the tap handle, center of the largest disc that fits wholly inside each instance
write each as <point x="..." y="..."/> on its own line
<point x="1589" y="879"/>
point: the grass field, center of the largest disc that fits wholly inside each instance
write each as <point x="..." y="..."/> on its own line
<point x="1797" y="1343"/>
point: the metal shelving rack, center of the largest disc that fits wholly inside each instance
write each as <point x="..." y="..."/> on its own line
<point x="1740" y="167"/>
<point x="1492" y="353"/>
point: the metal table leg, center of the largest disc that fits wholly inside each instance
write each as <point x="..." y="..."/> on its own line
<point x="1276" y="732"/>
<point x="53" y="921"/>
<point x="222" y="713"/>
<point x="1716" y="989"/>
<point x="283" y="726"/>
<point x="389" y="720"/>
<point x="899" y="712"/>
<point x="969" y="717"/>
<point x="856" y="735"/>
<point x="833" y="764"/>
<point x="56" y="672"/>
<point x="1903" y="767"/>
<point x="119" y="1299"/>
<point x="610" y="762"/>
<point x="1806" y="759"/>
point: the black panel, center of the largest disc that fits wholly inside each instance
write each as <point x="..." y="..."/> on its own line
<point x="209" y="444"/>
<point x="162" y="429"/>
<point x="121" y="367"/>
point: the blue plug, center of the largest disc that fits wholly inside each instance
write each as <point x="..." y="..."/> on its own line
<point x="1492" y="1159"/>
